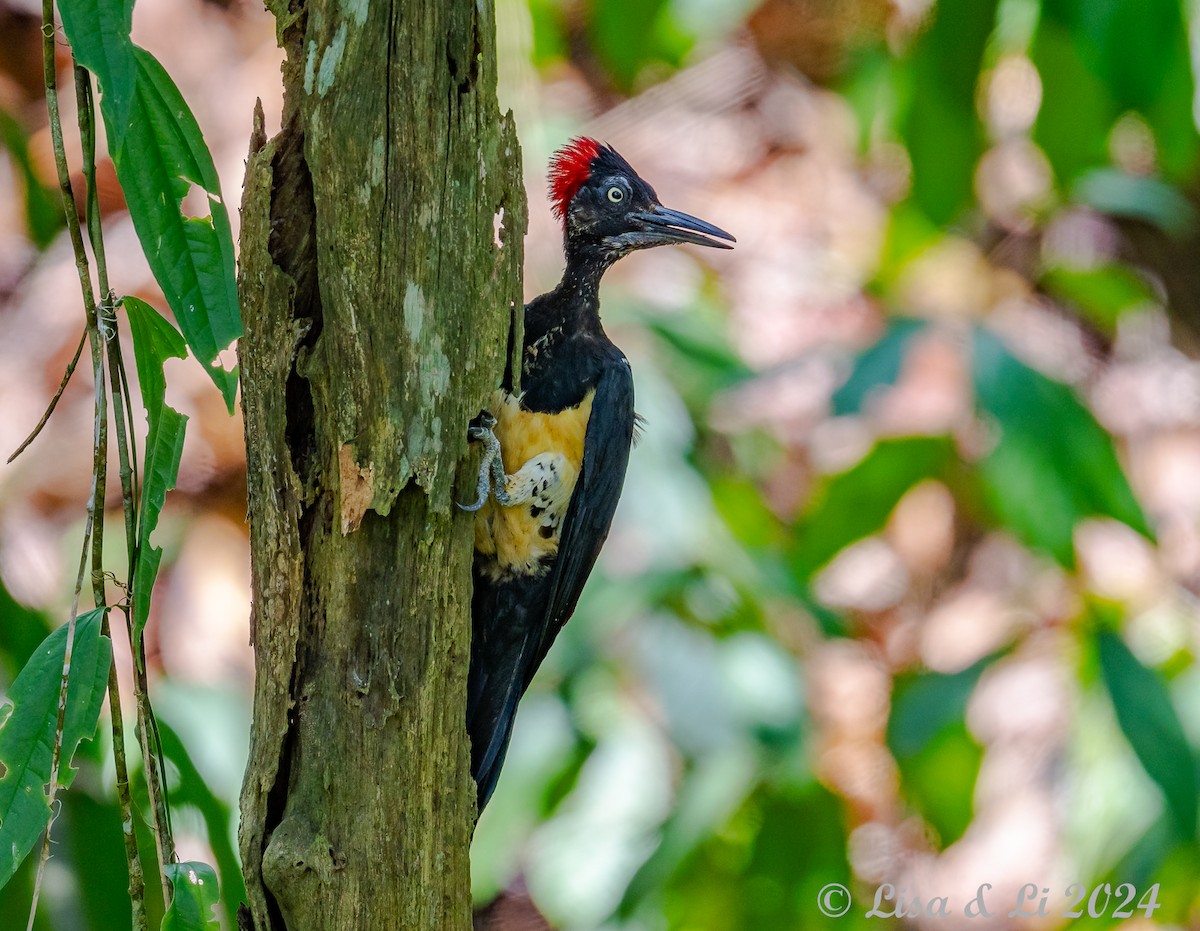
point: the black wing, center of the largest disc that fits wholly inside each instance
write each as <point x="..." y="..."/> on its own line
<point x="606" y="448"/>
<point x="515" y="621"/>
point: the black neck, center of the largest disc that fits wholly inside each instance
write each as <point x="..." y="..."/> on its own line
<point x="576" y="300"/>
<point x="565" y="342"/>
<point x="586" y="265"/>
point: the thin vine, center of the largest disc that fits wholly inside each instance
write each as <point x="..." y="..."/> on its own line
<point x="100" y="333"/>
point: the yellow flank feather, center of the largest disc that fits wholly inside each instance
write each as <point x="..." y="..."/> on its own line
<point x="521" y="536"/>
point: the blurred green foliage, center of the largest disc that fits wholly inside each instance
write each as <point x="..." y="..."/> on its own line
<point x="43" y="217"/>
<point x="667" y="772"/>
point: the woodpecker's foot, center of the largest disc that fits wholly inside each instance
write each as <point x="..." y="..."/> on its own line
<point x="480" y="428"/>
<point x="492" y="479"/>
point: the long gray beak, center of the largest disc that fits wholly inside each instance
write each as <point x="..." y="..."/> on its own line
<point x="664" y="226"/>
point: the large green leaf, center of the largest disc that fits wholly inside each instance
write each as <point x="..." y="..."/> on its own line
<point x="154" y="341"/>
<point x="877" y="366"/>
<point x="740" y="503"/>
<point x="942" y="129"/>
<point x="856" y="503"/>
<point x="1150" y="723"/>
<point x="98" y="31"/>
<point x="549" y="32"/>
<point x="925" y="703"/>
<point x="939" y="781"/>
<point x="159" y="154"/>
<point x="1053" y="465"/>
<point x="27" y="735"/>
<point x="197" y="896"/>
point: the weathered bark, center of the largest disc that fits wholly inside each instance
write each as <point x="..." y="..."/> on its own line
<point x="377" y="310"/>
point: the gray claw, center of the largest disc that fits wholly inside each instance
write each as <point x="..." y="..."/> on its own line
<point x="491" y="469"/>
<point x="482" y="429"/>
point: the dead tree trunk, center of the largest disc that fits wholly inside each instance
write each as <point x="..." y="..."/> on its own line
<point x="377" y="304"/>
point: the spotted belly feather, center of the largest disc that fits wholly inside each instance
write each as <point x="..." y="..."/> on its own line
<point x="542" y="453"/>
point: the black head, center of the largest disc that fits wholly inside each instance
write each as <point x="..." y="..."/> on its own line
<point x="608" y="210"/>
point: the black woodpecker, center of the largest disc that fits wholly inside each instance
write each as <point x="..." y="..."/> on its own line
<point x="556" y="452"/>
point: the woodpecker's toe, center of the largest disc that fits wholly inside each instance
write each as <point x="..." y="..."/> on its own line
<point x="481" y="427"/>
<point x="491" y="467"/>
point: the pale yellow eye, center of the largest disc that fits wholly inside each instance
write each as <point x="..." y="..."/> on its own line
<point x="616" y="195"/>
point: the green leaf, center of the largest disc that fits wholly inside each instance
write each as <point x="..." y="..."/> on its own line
<point x="627" y="35"/>
<point x="1102" y="294"/>
<point x="925" y="703"/>
<point x="939" y="781"/>
<point x="91" y="844"/>
<point x="879" y="365"/>
<point x="1149" y="722"/>
<point x="1028" y="493"/>
<point x="160" y="156"/>
<point x="1170" y="117"/>
<point x="869" y="89"/>
<point x="27" y="735"/>
<point x="1125" y="43"/>
<point x="859" y="501"/>
<point x="1130" y="56"/>
<point x="159" y="153"/>
<point x="942" y="129"/>
<point x="549" y="32"/>
<point x="98" y="31"/>
<point x="696" y="352"/>
<point x="43" y="207"/>
<point x="1077" y="109"/>
<point x="154" y="341"/>
<point x="938" y="759"/>
<point x="197" y="896"/>
<point x="1053" y="464"/>
<point x="193" y="790"/>
<point x="21" y="631"/>
<point x="746" y="514"/>
<point x="746" y="872"/>
<point x="773" y="862"/>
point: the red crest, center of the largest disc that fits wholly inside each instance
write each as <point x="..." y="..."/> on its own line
<point x="570" y="167"/>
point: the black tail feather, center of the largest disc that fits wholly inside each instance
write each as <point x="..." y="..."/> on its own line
<point x="491" y="730"/>
<point x="506" y="648"/>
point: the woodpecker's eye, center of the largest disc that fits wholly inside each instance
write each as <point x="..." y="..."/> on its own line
<point x="616" y="195"/>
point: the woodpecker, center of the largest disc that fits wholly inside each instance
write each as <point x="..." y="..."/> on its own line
<point x="555" y="453"/>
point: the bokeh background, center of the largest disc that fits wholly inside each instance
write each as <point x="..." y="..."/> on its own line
<point x="903" y="584"/>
